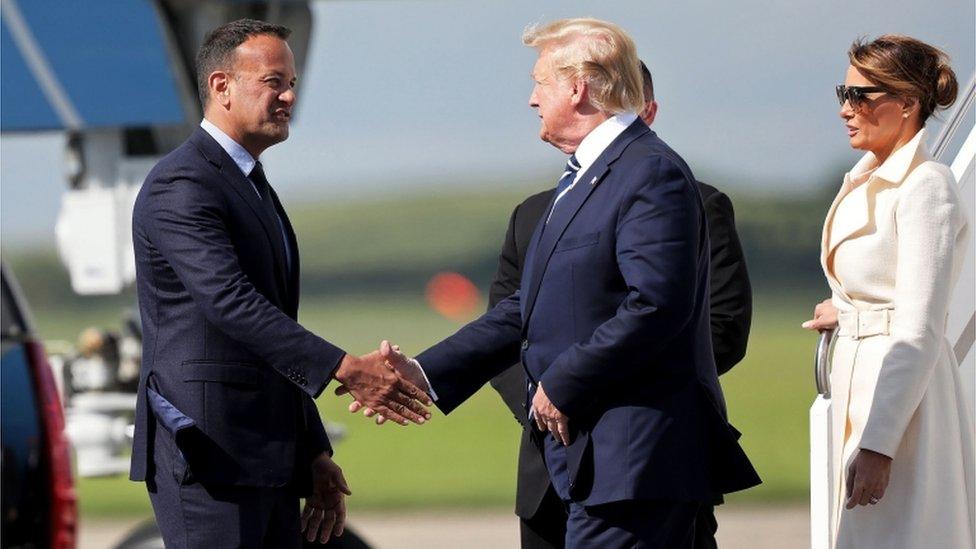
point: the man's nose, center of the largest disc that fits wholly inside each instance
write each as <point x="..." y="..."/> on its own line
<point x="288" y="96"/>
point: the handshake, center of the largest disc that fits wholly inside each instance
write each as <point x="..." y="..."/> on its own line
<point x="387" y="384"/>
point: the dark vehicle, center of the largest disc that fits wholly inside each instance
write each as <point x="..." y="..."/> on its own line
<point x="38" y="498"/>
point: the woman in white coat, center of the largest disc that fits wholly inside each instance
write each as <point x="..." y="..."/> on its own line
<point x="893" y="244"/>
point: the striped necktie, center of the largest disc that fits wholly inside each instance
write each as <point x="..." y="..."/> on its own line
<point x="569" y="176"/>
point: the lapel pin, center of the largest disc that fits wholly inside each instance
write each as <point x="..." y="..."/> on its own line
<point x="594" y="180"/>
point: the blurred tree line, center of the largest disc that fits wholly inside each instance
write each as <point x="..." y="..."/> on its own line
<point x="347" y="248"/>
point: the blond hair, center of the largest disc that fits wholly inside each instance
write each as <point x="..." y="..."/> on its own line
<point x="598" y="52"/>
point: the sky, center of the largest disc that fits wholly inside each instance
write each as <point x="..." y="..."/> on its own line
<point x="403" y="94"/>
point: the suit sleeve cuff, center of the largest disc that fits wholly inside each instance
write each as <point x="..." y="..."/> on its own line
<point x="568" y="395"/>
<point x="430" y="388"/>
<point x="332" y="357"/>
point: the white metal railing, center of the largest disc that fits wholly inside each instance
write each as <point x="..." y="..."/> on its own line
<point x="821" y="363"/>
<point x="965" y="103"/>
<point x="821" y="474"/>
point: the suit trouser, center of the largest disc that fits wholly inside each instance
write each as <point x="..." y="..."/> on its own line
<point x="547" y="528"/>
<point x="705" y="528"/>
<point x="632" y="525"/>
<point x="192" y="515"/>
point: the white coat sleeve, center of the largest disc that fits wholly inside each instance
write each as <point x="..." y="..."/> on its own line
<point x="929" y="221"/>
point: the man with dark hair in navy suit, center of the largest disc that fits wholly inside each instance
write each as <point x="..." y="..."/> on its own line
<point x="542" y="517"/>
<point x="227" y="437"/>
<point x="611" y="320"/>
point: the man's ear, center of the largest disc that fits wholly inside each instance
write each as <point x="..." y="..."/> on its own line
<point x="219" y="84"/>
<point x="581" y="91"/>
<point x="650" y="112"/>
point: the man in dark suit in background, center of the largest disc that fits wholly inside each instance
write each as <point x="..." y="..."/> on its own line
<point x="227" y="437"/>
<point x="542" y="515"/>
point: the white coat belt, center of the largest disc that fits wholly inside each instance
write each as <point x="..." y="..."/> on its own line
<point x="861" y="324"/>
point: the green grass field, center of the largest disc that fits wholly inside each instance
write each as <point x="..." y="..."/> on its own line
<point x="468" y="458"/>
<point x="364" y="268"/>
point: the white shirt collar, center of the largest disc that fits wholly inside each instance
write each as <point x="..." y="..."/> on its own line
<point x="600" y="138"/>
<point x="238" y="154"/>
<point x="593" y="145"/>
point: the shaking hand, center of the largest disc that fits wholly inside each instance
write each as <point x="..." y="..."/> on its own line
<point x="378" y="385"/>
<point x="404" y="367"/>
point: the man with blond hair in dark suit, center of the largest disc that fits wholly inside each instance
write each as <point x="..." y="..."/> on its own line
<point x="542" y="516"/>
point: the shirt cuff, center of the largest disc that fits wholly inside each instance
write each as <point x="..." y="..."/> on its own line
<point x="430" y="388"/>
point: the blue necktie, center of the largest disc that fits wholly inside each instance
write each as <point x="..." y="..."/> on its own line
<point x="572" y="168"/>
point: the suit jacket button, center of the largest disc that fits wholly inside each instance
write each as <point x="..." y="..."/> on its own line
<point x="525" y="344"/>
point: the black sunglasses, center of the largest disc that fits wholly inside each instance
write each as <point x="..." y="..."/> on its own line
<point x="855" y="95"/>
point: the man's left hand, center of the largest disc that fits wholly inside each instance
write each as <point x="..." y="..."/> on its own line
<point x="548" y="418"/>
<point x="325" y="510"/>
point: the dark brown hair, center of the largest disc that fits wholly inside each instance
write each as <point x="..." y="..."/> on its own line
<point x="908" y="68"/>
<point x="648" y="82"/>
<point x="217" y="51"/>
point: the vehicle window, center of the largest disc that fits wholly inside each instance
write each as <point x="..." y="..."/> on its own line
<point x="11" y="321"/>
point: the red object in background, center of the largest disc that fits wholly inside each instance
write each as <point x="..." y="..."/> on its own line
<point x="63" y="520"/>
<point x="453" y="295"/>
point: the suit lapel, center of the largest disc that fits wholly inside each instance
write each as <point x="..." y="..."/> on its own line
<point x="837" y="229"/>
<point x="548" y="234"/>
<point x="243" y="188"/>
<point x="827" y="234"/>
<point x="855" y="216"/>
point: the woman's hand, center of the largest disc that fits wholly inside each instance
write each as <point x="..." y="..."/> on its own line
<point x="824" y="317"/>
<point x="867" y="478"/>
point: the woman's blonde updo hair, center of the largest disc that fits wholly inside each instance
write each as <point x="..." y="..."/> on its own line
<point x="600" y="53"/>
<point x="907" y="67"/>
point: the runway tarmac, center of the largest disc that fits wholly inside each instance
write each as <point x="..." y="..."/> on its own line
<point x="765" y="527"/>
